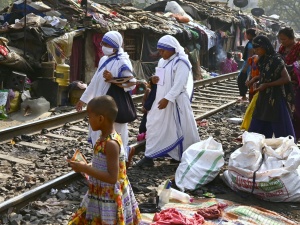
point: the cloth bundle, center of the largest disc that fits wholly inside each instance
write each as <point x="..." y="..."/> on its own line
<point x="172" y="216"/>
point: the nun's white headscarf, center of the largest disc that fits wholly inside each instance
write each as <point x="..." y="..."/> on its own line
<point x="170" y="43"/>
<point x="115" y="40"/>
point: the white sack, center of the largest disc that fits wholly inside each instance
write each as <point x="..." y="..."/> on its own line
<point x="200" y="164"/>
<point x="277" y="177"/>
<point x="175" y="8"/>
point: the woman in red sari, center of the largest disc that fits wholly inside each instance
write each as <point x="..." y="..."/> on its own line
<point x="290" y="51"/>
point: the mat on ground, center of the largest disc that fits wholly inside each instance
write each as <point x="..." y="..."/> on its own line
<point x="232" y="214"/>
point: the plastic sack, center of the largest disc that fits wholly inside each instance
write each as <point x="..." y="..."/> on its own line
<point x="61" y="47"/>
<point x="15" y="102"/>
<point x="249" y="112"/>
<point x="200" y="164"/>
<point x="3" y="100"/>
<point x="175" y="8"/>
<point x="268" y="168"/>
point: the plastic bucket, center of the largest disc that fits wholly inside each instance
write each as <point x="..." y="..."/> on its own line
<point x="64" y="71"/>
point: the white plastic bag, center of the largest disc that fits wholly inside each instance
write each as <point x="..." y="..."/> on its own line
<point x="200" y="164"/>
<point x="175" y="8"/>
<point x="3" y="100"/>
<point x="277" y="169"/>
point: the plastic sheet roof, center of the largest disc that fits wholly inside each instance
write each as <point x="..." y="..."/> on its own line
<point x="107" y="17"/>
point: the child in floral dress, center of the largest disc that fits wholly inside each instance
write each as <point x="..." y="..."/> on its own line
<point x="110" y="199"/>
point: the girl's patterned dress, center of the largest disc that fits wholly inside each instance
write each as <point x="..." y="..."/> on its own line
<point x="107" y="203"/>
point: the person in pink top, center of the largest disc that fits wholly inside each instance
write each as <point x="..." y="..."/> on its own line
<point x="229" y="65"/>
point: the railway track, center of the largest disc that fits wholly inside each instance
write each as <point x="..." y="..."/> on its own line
<point x="32" y="155"/>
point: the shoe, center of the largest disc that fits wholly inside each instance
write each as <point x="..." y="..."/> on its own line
<point x="145" y="162"/>
<point x="141" y="137"/>
<point x="149" y="208"/>
<point x="202" y="123"/>
<point x="174" y="161"/>
<point x="130" y="155"/>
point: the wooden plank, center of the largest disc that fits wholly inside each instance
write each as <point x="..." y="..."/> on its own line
<point x="4" y="176"/>
<point x="208" y="102"/>
<point x="217" y="90"/>
<point x="31" y="145"/>
<point x="204" y="107"/>
<point x="218" y="93"/>
<point x="14" y="159"/>
<point x="199" y="111"/>
<point x="74" y="128"/>
<point x="231" y="85"/>
<point x="216" y="98"/>
<point x="60" y="137"/>
<point x="226" y="87"/>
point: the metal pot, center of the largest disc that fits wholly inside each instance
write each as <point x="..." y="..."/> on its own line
<point x="257" y="12"/>
<point x="240" y="3"/>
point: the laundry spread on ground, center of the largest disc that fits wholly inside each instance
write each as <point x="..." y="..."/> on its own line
<point x="229" y="213"/>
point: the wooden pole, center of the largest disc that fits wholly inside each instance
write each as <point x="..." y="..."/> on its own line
<point x="25" y="24"/>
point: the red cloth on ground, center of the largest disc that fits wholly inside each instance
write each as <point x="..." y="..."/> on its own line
<point x="212" y="212"/>
<point x="172" y="217"/>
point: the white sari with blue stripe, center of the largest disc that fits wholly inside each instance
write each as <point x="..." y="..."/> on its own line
<point x="120" y="66"/>
<point x="172" y="130"/>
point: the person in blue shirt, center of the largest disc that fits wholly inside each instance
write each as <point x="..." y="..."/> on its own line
<point x="248" y="52"/>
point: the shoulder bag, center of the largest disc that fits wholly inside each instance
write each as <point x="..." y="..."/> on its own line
<point x="123" y="99"/>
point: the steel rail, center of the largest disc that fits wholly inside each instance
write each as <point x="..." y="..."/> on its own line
<point x="21" y="200"/>
<point x="216" y="79"/>
<point x="34" y="193"/>
<point x="55" y="121"/>
<point x="37" y="126"/>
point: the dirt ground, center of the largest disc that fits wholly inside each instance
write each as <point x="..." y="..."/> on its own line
<point x="17" y="118"/>
<point x="218" y="187"/>
<point x="153" y="176"/>
<point x="9" y="123"/>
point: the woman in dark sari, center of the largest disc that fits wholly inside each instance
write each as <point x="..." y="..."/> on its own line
<point x="271" y="115"/>
<point x="290" y="51"/>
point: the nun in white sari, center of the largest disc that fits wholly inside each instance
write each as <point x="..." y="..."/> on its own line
<point x="171" y="127"/>
<point x="114" y="63"/>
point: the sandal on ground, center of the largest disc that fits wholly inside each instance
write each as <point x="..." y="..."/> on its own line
<point x="149" y="208"/>
<point x="174" y="161"/>
<point x="145" y="162"/>
<point x="202" y="123"/>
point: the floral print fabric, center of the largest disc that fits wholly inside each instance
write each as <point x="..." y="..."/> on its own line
<point x="107" y="203"/>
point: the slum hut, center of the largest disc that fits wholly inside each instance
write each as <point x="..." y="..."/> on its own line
<point x="59" y="40"/>
<point x="29" y="29"/>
